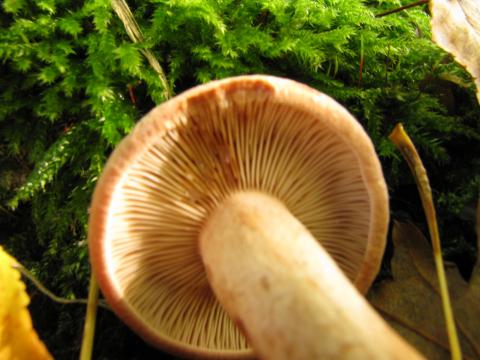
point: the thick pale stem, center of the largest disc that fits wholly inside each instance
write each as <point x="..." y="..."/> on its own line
<point x="284" y="291"/>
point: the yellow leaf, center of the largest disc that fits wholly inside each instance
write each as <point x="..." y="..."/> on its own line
<point x="456" y="29"/>
<point x="18" y="339"/>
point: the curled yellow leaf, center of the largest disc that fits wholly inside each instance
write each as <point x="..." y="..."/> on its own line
<point x="18" y="339"/>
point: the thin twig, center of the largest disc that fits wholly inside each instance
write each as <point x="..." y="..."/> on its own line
<point x="133" y="30"/>
<point x="393" y="11"/>
<point x="50" y="294"/>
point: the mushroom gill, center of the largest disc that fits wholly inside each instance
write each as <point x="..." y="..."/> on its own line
<point x="185" y="159"/>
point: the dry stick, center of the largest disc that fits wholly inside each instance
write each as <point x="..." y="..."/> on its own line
<point x="89" y="328"/>
<point x="43" y="289"/>
<point x="402" y="141"/>
<point x="393" y="11"/>
<point x="133" y="30"/>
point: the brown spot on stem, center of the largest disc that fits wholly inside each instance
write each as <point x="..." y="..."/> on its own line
<point x="264" y="283"/>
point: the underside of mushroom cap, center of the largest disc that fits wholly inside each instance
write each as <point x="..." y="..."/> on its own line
<point x="190" y="153"/>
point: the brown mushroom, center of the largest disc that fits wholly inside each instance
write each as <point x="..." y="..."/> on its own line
<point x="242" y="186"/>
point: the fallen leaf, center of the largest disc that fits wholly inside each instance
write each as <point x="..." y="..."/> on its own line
<point x="456" y="29"/>
<point x="18" y="339"/>
<point x="411" y="302"/>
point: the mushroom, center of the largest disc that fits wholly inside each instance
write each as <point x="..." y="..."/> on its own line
<point x="250" y="211"/>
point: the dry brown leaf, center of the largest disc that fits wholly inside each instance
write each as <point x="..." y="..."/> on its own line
<point x="456" y="29"/>
<point x="18" y="339"/>
<point x="411" y="302"/>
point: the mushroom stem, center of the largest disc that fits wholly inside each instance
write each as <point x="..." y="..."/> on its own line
<point x="284" y="291"/>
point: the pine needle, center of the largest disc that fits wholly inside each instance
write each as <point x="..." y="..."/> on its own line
<point x="403" y="142"/>
<point x="133" y="30"/>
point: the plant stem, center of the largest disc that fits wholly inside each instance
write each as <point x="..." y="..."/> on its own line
<point x="90" y="318"/>
<point x="43" y="289"/>
<point x="403" y="142"/>
<point x="393" y="11"/>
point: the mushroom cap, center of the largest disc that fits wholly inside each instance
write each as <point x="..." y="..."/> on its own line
<point x="185" y="157"/>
